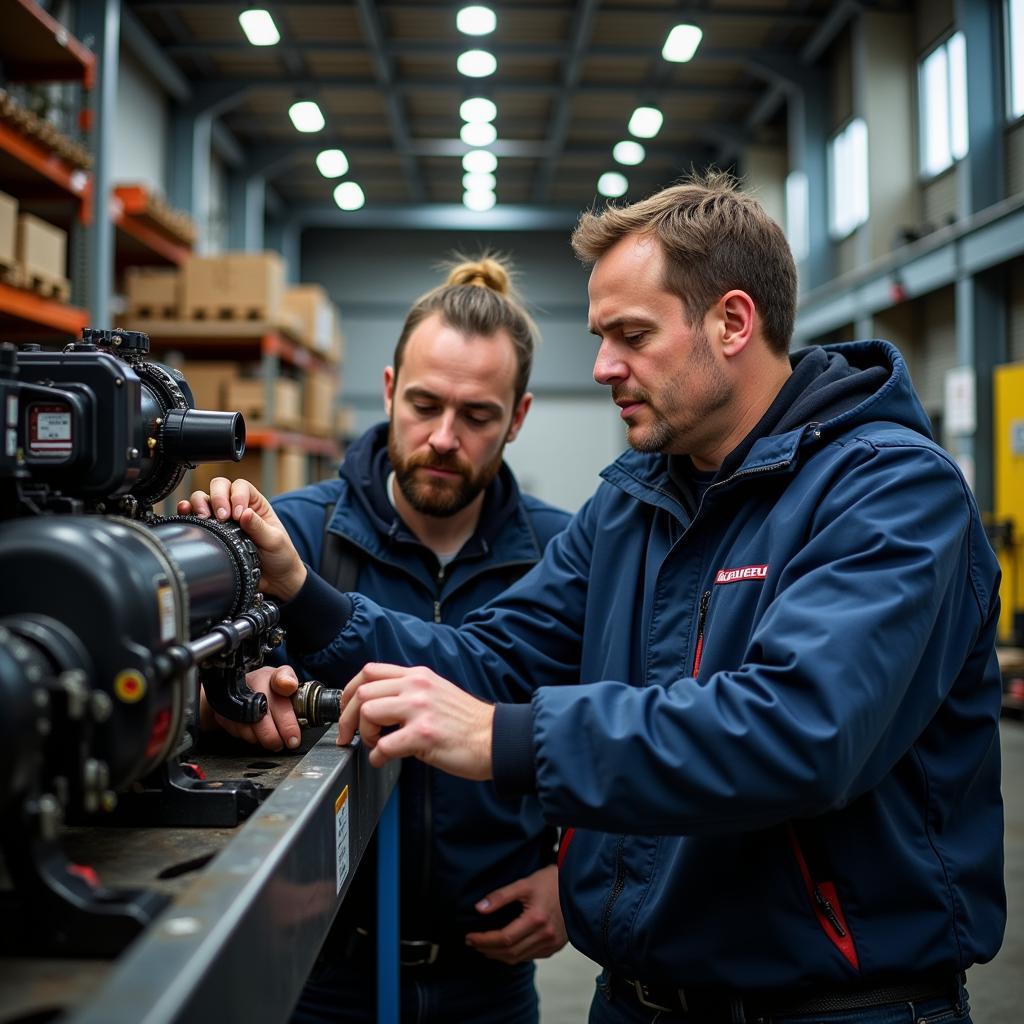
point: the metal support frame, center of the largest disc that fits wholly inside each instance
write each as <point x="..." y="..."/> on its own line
<point x="370" y="19"/>
<point x="260" y="910"/>
<point x="388" y="914"/>
<point x="191" y="146"/>
<point x="582" y="28"/>
<point x="100" y="26"/>
<point x="247" y="203"/>
<point x="808" y="133"/>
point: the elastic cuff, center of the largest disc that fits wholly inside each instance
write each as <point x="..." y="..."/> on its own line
<point x="315" y="616"/>
<point x="512" y="760"/>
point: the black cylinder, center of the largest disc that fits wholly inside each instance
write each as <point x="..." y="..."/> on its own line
<point x="199" y="435"/>
<point x="208" y="567"/>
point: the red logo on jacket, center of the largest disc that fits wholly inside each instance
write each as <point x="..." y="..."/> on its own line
<point x="746" y="572"/>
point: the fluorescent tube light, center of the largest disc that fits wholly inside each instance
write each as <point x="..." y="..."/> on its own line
<point x="259" y="27"/>
<point x="306" y="116"/>
<point x="682" y="43"/>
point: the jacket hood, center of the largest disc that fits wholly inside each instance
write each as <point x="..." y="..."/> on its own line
<point x="365" y="470"/>
<point x="835" y="387"/>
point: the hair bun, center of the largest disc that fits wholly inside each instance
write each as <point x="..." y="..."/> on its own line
<point x="485" y="273"/>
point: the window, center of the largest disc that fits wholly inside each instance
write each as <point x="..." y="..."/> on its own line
<point x="797" y="215"/>
<point x="942" y="89"/>
<point x="848" y="178"/>
<point x="1015" y="57"/>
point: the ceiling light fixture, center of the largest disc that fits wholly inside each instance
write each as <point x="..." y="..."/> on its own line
<point x="476" y="20"/>
<point x="476" y="64"/>
<point x="629" y="153"/>
<point x="682" y="43"/>
<point x="481" y="181"/>
<point x="349" y="196"/>
<point x="306" y="116"/>
<point x="478" y="133"/>
<point x="479" y="201"/>
<point x="478" y="109"/>
<point x="612" y="184"/>
<point x="479" y="161"/>
<point x="332" y="163"/>
<point x="645" y="122"/>
<point x="259" y="27"/>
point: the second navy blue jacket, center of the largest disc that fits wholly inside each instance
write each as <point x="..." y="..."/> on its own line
<point x="460" y="840"/>
<point x="771" y="713"/>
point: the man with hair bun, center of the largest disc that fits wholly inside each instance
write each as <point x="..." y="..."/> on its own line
<point x="754" y="679"/>
<point x="426" y="518"/>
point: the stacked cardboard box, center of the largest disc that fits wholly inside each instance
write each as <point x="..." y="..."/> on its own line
<point x="314" y="316"/>
<point x="42" y="256"/>
<point x="290" y="474"/>
<point x="248" y="395"/>
<point x="233" y="286"/>
<point x="321" y="391"/>
<point x="153" y="293"/>
<point x="8" y="238"/>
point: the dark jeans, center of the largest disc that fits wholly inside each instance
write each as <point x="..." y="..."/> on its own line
<point x="621" y="1009"/>
<point x="345" y="991"/>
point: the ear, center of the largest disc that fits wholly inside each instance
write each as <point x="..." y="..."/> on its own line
<point x="518" y="416"/>
<point x="738" y="319"/>
<point x="389" y="388"/>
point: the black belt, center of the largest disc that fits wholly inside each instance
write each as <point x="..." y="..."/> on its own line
<point x="357" y="943"/>
<point x="720" y="1005"/>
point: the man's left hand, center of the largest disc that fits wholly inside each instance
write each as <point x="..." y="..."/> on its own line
<point x="537" y="932"/>
<point x="437" y="722"/>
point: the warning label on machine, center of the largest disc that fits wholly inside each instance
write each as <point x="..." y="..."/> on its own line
<point x="341" y="836"/>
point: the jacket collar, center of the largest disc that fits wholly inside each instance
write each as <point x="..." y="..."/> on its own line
<point x="645" y="476"/>
<point x="365" y="516"/>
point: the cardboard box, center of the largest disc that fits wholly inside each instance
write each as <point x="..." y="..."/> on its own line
<point x="209" y="380"/>
<point x="233" y="286"/>
<point x="315" y="315"/>
<point x="153" y="293"/>
<point x="291" y="470"/>
<point x="289" y="476"/>
<point x="248" y="396"/>
<point x="42" y="249"/>
<point x="8" y="230"/>
<point x="344" y="422"/>
<point x="321" y="390"/>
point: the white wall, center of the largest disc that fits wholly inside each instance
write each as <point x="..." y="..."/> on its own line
<point x="141" y="128"/>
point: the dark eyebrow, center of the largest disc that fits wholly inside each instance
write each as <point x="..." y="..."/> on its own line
<point x="412" y="393"/>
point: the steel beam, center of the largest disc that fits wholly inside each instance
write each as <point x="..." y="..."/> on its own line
<point x="582" y="27"/>
<point x="438" y="216"/>
<point x="100" y="28"/>
<point x="369" y="18"/>
<point x="239" y="942"/>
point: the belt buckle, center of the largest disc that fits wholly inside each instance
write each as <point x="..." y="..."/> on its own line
<point x="425" y="952"/>
<point x="643" y="998"/>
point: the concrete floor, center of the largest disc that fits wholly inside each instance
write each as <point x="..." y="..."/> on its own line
<point x="566" y="980"/>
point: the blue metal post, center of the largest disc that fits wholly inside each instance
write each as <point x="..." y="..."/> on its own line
<point x="100" y="22"/>
<point x="387" y="913"/>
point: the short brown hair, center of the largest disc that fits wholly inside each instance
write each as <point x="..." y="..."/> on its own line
<point x="478" y="298"/>
<point x="715" y="238"/>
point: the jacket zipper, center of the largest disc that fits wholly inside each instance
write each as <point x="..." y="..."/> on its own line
<point x="617" y="886"/>
<point x="825" y="902"/>
<point x="705" y="600"/>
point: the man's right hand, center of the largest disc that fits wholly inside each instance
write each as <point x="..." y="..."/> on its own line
<point x="283" y="572"/>
<point x="278" y="727"/>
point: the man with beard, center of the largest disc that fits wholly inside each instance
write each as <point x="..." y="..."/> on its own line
<point x="755" y="677"/>
<point x="436" y="526"/>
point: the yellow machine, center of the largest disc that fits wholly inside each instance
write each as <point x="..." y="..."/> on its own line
<point x="1007" y="526"/>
